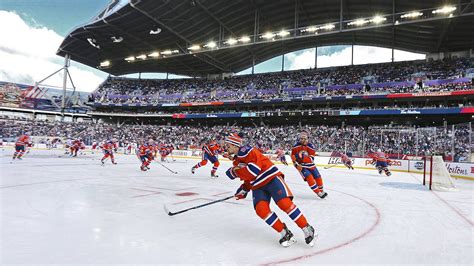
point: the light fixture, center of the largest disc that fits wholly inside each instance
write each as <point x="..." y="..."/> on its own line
<point x="378" y="19"/>
<point x="194" y="47"/>
<point x="310" y="29"/>
<point x="167" y="52"/>
<point x="153" y="32"/>
<point x="142" y="57"/>
<point x="444" y="10"/>
<point x="175" y="52"/>
<point x="267" y="35"/>
<point x="93" y="43"/>
<point x="116" y="39"/>
<point x="413" y="14"/>
<point x="283" y="33"/>
<point x="211" y="44"/>
<point x="231" y="41"/>
<point x="244" y="39"/>
<point x="105" y="63"/>
<point x="358" y="22"/>
<point x="154" y="54"/>
<point x="328" y="27"/>
<point x="130" y="58"/>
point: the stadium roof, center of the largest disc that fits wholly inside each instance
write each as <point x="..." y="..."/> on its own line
<point x="162" y="31"/>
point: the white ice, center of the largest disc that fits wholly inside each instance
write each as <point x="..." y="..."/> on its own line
<point x="56" y="209"/>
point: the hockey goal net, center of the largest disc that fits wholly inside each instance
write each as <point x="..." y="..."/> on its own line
<point x="436" y="175"/>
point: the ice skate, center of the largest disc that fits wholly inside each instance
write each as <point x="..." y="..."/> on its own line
<point x="287" y="238"/>
<point x="309" y="235"/>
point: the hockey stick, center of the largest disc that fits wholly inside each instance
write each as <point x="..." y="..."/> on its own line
<point x="166" y="167"/>
<point x="196" y="207"/>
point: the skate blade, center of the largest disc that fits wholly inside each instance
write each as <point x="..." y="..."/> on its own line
<point x="311" y="244"/>
<point x="288" y="243"/>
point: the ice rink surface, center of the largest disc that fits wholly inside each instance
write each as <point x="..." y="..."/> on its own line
<point x="56" y="209"/>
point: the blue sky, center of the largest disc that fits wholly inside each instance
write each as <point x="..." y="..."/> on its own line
<point x="60" y="15"/>
<point x="36" y="28"/>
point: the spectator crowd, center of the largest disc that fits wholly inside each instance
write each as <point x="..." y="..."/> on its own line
<point x="388" y="78"/>
<point x="357" y="140"/>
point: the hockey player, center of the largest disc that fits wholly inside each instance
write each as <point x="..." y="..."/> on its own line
<point x="302" y="156"/>
<point x="21" y="143"/>
<point x="381" y="162"/>
<point x="109" y="147"/>
<point x="346" y="161"/>
<point x="266" y="182"/>
<point x="144" y="153"/>
<point x="281" y="156"/>
<point x="210" y="152"/>
<point x="76" y="146"/>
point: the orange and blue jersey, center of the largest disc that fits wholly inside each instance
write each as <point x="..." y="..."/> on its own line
<point x="303" y="155"/>
<point x="212" y="149"/>
<point x="256" y="171"/>
<point x="381" y="159"/>
<point x="23" y="140"/>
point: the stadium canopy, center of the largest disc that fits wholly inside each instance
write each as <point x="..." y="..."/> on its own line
<point x="201" y="37"/>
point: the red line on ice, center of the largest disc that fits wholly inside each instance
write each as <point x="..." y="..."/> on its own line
<point x="348" y="242"/>
<point x="454" y="209"/>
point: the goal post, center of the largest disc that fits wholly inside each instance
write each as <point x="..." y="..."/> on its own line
<point x="436" y="175"/>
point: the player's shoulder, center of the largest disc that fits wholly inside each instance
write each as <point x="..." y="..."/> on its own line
<point x="297" y="144"/>
<point x="311" y="145"/>
<point x="244" y="151"/>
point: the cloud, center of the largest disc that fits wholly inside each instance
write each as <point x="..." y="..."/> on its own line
<point x="28" y="54"/>
<point x="362" y="55"/>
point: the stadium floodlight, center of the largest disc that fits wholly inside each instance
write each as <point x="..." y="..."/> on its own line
<point x="194" y="47"/>
<point x="175" y="51"/>
<point x="413" y="14"/>
<point x="328" y="27"/>
<point x="231" y="41"/>
<point x="244" y="39"/>
<point x="358" y="22"/>
<point x="267" y="35"/>
<point x="283" y="33"/>
<point x="211" y="44"/>
<point x="93" y="43"/>
<point x="116" y="39"/>
<point x="130" y="59"/>
<point x="310" y="29"/>
<point x="167" y="52"/>
<point x="154" y="54"/>
<point x="444" y="10"/>
<point x="154" y="32"/>
<point x="378" y="19"/>
<point x="142" y="57"/>
<point x="105" y="63"/>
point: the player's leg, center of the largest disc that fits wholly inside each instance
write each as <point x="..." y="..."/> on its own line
<point x="201" y="163"/>
<point x="112" y="158"/>
<point x="216" y="163"/>
<point x="283" y="197"/>
<point x="261" y="201"/>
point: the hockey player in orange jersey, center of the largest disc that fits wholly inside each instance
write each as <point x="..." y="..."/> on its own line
<point x="23" y="140"/>
<point x="210" y="152"/>
<point x="266" y="182"/>
<point x="302" y="156"/>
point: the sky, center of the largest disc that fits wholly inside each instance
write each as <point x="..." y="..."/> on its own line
<point x="36" y="28"/>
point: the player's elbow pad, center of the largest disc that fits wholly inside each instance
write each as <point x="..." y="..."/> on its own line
<point x="230" y="174"/>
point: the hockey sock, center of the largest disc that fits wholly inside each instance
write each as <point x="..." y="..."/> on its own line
<point x="316" y="184"/>
<point x="287" y="205"/>
<point x="263" y="211"/>
<point x="202" y="163"/>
